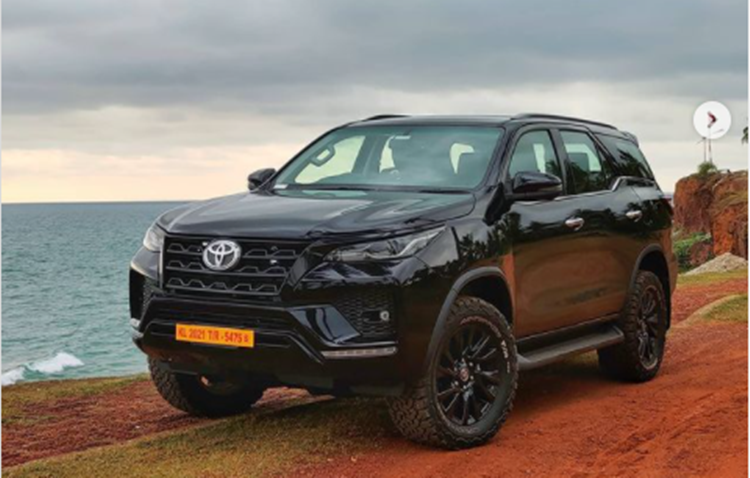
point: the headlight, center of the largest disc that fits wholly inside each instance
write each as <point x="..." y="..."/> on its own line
<point x="396" y="248"/>
<point x="154" y="239"/>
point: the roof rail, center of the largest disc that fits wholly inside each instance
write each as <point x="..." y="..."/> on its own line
<point x="561" y="118"/>
<point x="384" y="116"/>
<point x="633" y="137"/>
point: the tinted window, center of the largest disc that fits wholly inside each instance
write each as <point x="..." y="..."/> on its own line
<point x="439" y="157"/>
<point x="629" y="158"/>
<point x="334" y="161"/>
<point x="534" y="153"/>
<point x="587" y="168"/>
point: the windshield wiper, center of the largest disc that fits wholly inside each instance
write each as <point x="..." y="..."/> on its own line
<point x="381" y="187"/>
<point x="330" y="187"/>
<point x="442" y="191"/>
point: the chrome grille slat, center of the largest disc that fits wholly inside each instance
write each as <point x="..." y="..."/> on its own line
<point x="195" y="267"/>
<point x="258" y="276"/>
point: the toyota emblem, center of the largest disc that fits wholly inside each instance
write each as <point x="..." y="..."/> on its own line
<point x="221" y="254"/>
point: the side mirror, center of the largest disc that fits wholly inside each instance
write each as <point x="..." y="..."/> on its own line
<point x="256" y="179"/>
<point x="533" y="186"/>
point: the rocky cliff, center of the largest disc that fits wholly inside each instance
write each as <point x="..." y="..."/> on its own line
<point x="712" y="205"/>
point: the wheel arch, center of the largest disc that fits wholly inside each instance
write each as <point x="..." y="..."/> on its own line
<point x="653" y="259"/>
<point x="486" y="283"/>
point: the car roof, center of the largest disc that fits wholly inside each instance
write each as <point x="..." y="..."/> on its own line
<point x="401" y="120"/>
<point x="490" y="120"/>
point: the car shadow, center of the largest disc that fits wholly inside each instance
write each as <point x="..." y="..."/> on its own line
<point x="539" y="391"/>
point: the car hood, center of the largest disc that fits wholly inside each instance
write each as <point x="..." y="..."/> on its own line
<point x="308" y="214"/>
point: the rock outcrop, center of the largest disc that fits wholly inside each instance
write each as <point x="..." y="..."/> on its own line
<point x="714" y="204"/>
<point x="724" y="263"/>
<point x="693" y="196"/>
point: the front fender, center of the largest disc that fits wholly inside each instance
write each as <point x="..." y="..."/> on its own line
<point x="458" y="285"/>
<point x="665" y="268"/>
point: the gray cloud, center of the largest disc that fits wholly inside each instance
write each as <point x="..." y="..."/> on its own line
<point x="155" y="90"/>
<point x="268" y="57"/>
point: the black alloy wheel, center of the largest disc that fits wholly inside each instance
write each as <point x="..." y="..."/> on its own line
<point x="469" y="383"/>
<point x="648" y="334"/>
<point x="470" y="371"/>
<point x="644" y="322"/>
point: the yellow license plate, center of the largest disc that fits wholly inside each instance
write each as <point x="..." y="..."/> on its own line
<point x="202" y="334"/>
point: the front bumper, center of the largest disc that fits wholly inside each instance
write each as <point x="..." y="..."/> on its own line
<point x="306" y="337"/>
<point x="291" y="346"/>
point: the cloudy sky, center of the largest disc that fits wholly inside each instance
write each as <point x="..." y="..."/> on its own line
<point x="139" y="100"/>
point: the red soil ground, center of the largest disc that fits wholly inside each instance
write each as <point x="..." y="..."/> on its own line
<point x="568" y="420"/>
<point x="687" y="299"/>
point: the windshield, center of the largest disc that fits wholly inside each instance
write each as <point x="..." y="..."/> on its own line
<point x="430" y="157"/>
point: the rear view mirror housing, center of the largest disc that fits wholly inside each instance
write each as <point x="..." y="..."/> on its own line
<point x="256" y="179"/>
<point x="535" y="186"/>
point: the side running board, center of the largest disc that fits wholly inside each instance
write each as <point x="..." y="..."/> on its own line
<point x="606" y="336"/>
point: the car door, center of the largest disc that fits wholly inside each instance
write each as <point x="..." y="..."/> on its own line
<point x="566" y="269"/>
<point x="609" y="238"/>
<point x="555" y="253"/>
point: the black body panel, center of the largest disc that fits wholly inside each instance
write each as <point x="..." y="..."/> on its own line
<point x="518" y="255"/>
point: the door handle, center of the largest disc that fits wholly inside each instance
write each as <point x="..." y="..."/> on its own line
<point x="634" y="215"/>
<point x="574" y="223"/>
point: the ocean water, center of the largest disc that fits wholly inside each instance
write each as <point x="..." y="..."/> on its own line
<point x="65" y="289"/>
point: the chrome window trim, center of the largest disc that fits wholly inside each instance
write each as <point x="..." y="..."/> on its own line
<point x="615" y="186"/>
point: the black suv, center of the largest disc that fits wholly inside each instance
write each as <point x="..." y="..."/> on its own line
<point x="426" y="259"/>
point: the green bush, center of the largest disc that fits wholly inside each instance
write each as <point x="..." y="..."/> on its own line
<point x="705" y="169"/>
<point x="682" y="248"/>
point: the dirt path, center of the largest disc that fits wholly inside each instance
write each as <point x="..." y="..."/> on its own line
<point x="568" y="420"/>
<point x="689" y="298"/>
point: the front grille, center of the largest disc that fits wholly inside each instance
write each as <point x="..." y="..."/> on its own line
<point x="362" y="309"/>
<point x="260" y="272"/>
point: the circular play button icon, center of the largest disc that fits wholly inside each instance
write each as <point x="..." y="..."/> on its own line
<point x="712" y="120"/>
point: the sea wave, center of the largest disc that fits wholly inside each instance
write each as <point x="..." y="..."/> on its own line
<point x="49" y="366"/>
<point x="12" y="376"/>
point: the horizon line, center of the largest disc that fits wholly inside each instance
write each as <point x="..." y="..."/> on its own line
<point x="135" y="201"/>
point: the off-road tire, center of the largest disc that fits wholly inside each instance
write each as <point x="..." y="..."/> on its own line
<point x="416" y="414"/>
<point x="623" y="361"/>
<point x="185" y="392"/>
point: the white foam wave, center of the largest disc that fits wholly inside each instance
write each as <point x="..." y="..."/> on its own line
<point x="11" y="376"/>
<point x="56" y="364"/>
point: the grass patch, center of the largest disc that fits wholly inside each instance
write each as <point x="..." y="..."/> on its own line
<point x="252" y="445"/>
<point x="706" y="169"/>
<point x="710" y="278"/>
<point x="733" y="310"/>
<point x="21" y="402"/>
<point x="682" y="246"/>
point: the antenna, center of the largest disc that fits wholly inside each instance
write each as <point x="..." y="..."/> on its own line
<point x="708" y="155"/>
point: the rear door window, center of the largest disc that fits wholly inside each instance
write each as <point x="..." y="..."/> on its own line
<point x="629" y="157"/>
<point x="587" y="166"/>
